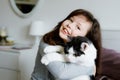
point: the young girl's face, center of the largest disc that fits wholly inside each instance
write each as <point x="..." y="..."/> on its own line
<point x="75" y="26"/>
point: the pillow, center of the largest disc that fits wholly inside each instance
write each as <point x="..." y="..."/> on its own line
<point x="110" y="63"/>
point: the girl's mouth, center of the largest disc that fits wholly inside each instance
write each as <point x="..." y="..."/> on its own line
<point x="65" y="31"/>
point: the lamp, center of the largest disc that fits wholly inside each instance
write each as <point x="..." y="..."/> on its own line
<point x="36" y="29"/>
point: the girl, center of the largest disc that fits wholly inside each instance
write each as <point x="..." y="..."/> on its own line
<point x="80" y="22"/>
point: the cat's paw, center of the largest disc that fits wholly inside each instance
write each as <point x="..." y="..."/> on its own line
<point x="50" y="49"/>
<point x="44" y="60"/>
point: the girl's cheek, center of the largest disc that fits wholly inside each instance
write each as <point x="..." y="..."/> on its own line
<point x="66" y="22"/>
<point x="63" y="24"/>
<point x="75" y="33"/>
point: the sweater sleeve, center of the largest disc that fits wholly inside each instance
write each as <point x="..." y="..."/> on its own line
<point x="64" y="70"/>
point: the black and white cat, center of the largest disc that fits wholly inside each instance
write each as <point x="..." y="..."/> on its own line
<point x="77" y="44"/>
<point x="78" y="50"/>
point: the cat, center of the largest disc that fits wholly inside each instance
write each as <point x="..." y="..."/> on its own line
<point x="78" y="50"/>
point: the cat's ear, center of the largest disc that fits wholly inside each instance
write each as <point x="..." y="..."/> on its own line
<point x="84" y="46"/>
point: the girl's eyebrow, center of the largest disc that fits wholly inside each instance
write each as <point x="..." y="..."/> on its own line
<point x="78" y="23"/>
<point x="71" y="19"/>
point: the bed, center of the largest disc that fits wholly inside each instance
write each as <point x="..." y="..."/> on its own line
<point x="110" y="61"/>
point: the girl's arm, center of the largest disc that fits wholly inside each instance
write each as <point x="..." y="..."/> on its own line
<point x="64" y="70"/>
<point x="67" y="71"/>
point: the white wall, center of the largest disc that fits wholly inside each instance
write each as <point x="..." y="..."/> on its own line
<point x="111" y="39"/>
<point x="52" y="11"/>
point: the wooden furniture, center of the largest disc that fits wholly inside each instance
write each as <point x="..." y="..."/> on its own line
<point x="9" y="65"/>
<point x="16" y="64"/>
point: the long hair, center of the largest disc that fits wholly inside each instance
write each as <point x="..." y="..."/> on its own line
<point x="95" y="36"/>
<point x="94" y="33"/>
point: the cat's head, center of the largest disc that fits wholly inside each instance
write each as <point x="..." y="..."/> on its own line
<point x="77" y="45"/>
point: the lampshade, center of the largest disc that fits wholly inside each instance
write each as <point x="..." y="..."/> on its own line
<point x="36" y="28"/>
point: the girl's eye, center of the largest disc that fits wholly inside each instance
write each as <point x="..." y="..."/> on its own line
<point x="78" y="27"/>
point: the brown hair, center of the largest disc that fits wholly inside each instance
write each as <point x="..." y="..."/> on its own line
<point x="94" y="34"/>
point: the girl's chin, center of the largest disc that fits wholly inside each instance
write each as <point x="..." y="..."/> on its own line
<point x="65" y="38"/>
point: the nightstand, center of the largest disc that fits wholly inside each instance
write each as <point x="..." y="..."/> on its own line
<point x="17" y="64"/>
<point x="9" y="62"/>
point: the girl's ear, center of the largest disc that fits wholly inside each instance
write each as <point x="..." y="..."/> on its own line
<point x="84" y="46"/>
